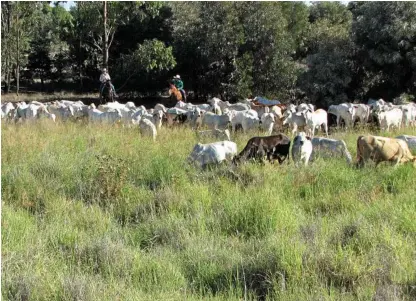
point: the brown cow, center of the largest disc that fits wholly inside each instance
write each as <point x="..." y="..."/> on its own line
<point x="273" y="147"/>
<point x="381" y="149"/>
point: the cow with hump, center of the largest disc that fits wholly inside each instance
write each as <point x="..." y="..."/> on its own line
<point x="273" y="147"/>
<point x="212" y="153"/>
<point x="379" y="149"/>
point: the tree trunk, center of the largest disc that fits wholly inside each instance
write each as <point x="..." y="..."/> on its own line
<point x="17" y="56"/>
<point x="105" y="40"/>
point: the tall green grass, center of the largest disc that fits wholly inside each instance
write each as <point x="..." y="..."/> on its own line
<point x="101" y="213"/>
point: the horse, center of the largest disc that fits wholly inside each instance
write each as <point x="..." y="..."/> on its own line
<point x="175" y="93"/>
<point x="108" y="93"/>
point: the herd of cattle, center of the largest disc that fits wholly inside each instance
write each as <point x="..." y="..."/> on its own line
<point x="217" y="115"/>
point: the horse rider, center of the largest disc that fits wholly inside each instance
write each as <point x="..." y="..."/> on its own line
<point x="104" y="77"/>
<point x="179" y="85"/>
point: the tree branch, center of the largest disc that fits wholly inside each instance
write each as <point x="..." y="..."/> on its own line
<point x="111" y="40"/>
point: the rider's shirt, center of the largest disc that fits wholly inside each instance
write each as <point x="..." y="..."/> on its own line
<point x="178" y="84"/>
<point x="104" y="77"/>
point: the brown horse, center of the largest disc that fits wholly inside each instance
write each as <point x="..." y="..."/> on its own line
<point x="174" y="93"/>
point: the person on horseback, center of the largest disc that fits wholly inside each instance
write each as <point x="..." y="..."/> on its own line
<point x="179" y="85"/>
<point x="104" y="77"/>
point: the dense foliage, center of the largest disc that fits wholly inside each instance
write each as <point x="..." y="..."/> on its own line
<point x="325" y="52"/>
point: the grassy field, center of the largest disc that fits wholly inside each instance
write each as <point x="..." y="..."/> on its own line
<point x="99" y="213"/>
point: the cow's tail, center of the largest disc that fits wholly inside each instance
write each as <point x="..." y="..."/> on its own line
<point x="360" y="158"/>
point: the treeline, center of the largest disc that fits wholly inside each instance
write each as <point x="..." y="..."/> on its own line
<point x="324" y="53"/>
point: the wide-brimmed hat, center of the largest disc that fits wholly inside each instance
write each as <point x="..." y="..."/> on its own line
<point x="177" y="76"/>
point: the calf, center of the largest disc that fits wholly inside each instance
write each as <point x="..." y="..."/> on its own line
<point x="147" y="128"/>
<point x="379" y="149"/>
<point x="302" y="148"/>
<point x="316" y="119"/>
<point x="212" y="153"/>
<point x="295" y="120"/>
<point x="325" y="147"/>
<point x="390" y="118"/>
<point x="272" y="147"/>
<point x="267" y="122"/>
<point x="345" y="111"/>
<point x="214" y="121"/>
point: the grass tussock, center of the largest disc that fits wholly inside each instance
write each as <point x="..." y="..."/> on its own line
<point x="100" y="213"/>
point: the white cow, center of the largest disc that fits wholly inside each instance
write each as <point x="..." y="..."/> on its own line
<point x="212" y="153"/>
<point x="147" y="128"/>
<point x="362" y="112"/>
<point x="214" y="121"/>
<point x="7" y="110"/>
<point x="157" y="119"/>
<point x="301" y="149"/>
<point x="325" y="147"/>
<point x="160" y="107"/>
<point x="294" y="120"/>
<point x="390" y="118"/>
<point x="316" y="119"/>
<point x="97" y="116"/>
<point x="305" y="107"/>
<point x="61" y="111"/>
<point x="218" y="134"/>
<point x="237" y="117"/>
<point x="216" y="109"/>
<point x="195" y="117"/>
<point x="409" y="115"/>
<point x="43" y="113"/>
<point x="410" y="140"/>
<point x="345" y="111"/>
<point x="267" y="122"/>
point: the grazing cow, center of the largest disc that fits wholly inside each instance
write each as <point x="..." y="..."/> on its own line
<point x="295" y="120"/>
<point x="218" y="134"/>
<point x="109" y="117"/>
<point x="160" y="107"/>
<point x="267" y="122"/>
<point x="61" y="111"/>
<point x="7" y="110"/>
<point x="343" y="111"/>
<point x="316" y="119"/>
<point x="379" y="149"/>
<point x="43" y="113"/>
<point x="325" y="147"/>
<point x="409" y="114"/>
<point x="212" y="153"/>
<point x="147" y="128"/>
<point x="362" y="112"/>
<point x="238" y="117"/>
<point x="410" y="140"/>
<point x="272" y="147"/>
<point x="175" y="115"/>
<point x="302" y="148"/>
<point x="390" y="118"/>
<point x="214" y="121"/>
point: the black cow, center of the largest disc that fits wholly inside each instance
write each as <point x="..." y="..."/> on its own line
<point x="273" y="147"/>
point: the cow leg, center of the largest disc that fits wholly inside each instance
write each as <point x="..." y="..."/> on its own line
<point x="326" y="129"/>
<point x="295" y="129"/>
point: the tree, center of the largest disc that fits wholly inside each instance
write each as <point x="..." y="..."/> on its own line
<point x="329" y="72"/>
<point x="385" y="39"/>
